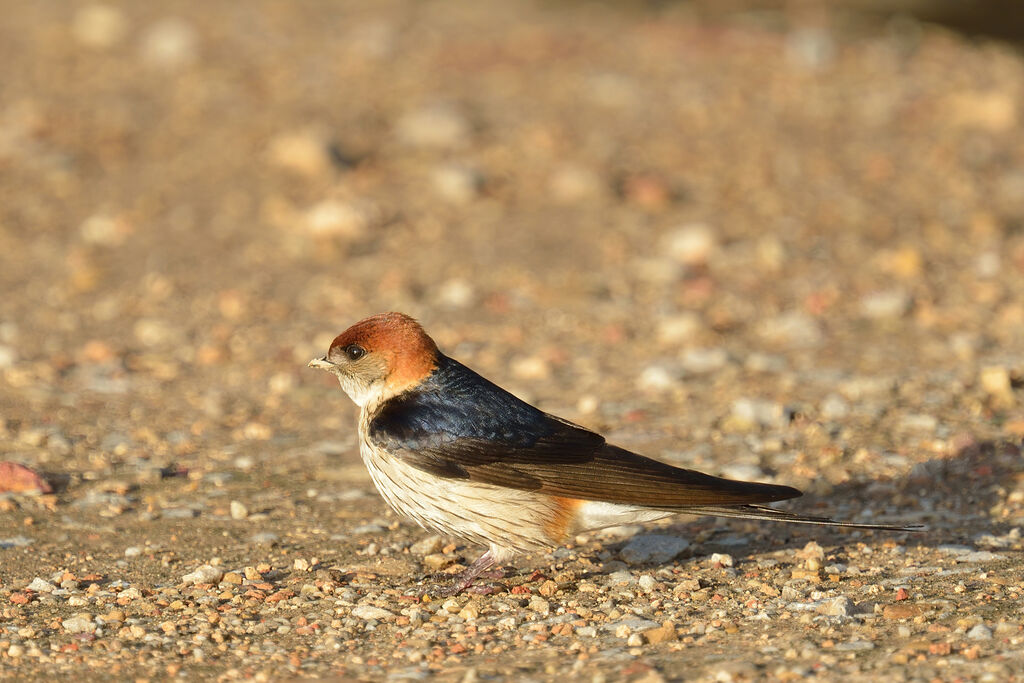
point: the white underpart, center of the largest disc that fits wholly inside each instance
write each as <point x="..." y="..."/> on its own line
<point x="595" y="514"/>
<point x="361" y="394"/>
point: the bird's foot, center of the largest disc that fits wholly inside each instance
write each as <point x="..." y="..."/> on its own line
<point x="465" y="582"/>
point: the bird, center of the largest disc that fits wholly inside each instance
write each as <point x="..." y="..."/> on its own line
<point x="463" y="457"/>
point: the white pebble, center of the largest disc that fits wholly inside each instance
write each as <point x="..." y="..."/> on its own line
<point x="722" y="558"/>
<point x="81" y="623"/>
<point x="369" y="612"/>
<point x="691" y="244"/>
<point x="99" y="26"/>
<point x="170" y="43"/>
<point x="205" y="574"/>
<point x="238" y="510"/>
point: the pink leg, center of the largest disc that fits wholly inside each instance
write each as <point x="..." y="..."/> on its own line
<point x="478" y="569"/>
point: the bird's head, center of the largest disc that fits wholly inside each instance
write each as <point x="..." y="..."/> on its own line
<point x="380" y="357"/>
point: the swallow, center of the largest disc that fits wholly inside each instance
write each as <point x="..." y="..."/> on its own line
<point x="461" y="456"/>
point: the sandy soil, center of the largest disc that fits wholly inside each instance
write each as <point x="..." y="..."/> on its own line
<point x="779" y="245"/>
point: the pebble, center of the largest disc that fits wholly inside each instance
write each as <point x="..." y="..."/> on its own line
<point x="794" y="329"/>
<point x="433" y="126"/>
<point x="571" y="183"/>
<point x="170" y="44"/>
<point x="721" y="559"/>
<point x="691" y="244"/>
<point x="652" y="549"/>
<point x="918" y="423"/>
<point x="238" y="510"/>
<point x="81" y="623"/>
<point x="369" y="612"/>
<point x="703" y="361"/>
<point x="833" y="407"/>
<point x="980" y="632"/>
<point x="8" y="356"/>
<point x="204" y="574"/>
<point x="41" y="586"/>
<point x="264" y="538"/>
<point x="338" y="218"/>
<point x="303" y="152"/>
<point x="893" y="303"/>
<point x="657" y="378"/>
<point x="995" y="381"/>
<point x="751" y="412"/>
<point x="456" y="183"/>
<point x="427" y="546"/>
<point x="540" y="605"/>
<point x="99" y="26"/>
<point x="678" y="328"/>
<point x="647" y="583"/>
<point x="834" y="607"/>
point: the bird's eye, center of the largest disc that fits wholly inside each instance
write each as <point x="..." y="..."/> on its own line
<point x="354" y="351"/>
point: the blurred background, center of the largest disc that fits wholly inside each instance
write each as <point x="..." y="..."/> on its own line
<point x="775" y="239"/>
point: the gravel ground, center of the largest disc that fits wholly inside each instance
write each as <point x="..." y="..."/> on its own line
<point x="772" y="245"/>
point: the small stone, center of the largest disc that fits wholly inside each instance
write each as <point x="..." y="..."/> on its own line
<point x="252" y="574"/>
<point x="238" y="510"/>
<point x="436" y="126"/>
<point x="657" y="378"/>
<point x="653" y="549"/>
<point x="548" y="588"/>
<point x="104" y="230"/>
<point x="8" y="356"/>
<point x="81" y="623"/>
<point x="721" y="559"/>
<point x="834" y="407"/>
<point x="893" y="303"/>
<point x="41" y="586"/>
<point x="530" y="368"/>
<point x="170" y="43"/>
<point x="205" y="574"/>
<point x="995" y="381"/>
<point x="704" y="361"/>
<point x="992" y="110"/>
<point x="336" y="218"/>
<point x="665" y="633"/>
<point x="918" y="423"/>
<point x="303" y="152"/>
<point x="635" y="640"/>
<point x="456" y="183"/>
<point x="794" y="329"/>
<point x="678" y="328"/>
<point x="232" y="578"/>
<point x="301" y="564"/>
<point x="437" y="561"/>
<point x="903" y="610"/>
<point x="427" y="546"/>
<point x="99" y="26"/>
<point x="456" y="293"/>
<point x="540" y="605"/>
<point x="264" y="538"/>
<point x="369" y="612"/>
<point x="980" y="632"/>
<point x="469" y="612"/>
<point x="758" y="412"/>
<point x="981" y="556"/>
<point x="647" y="583"/>
<point x="834" y="607"/>
<point x="691" y="244"/>
<point x="571" y="183"/>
